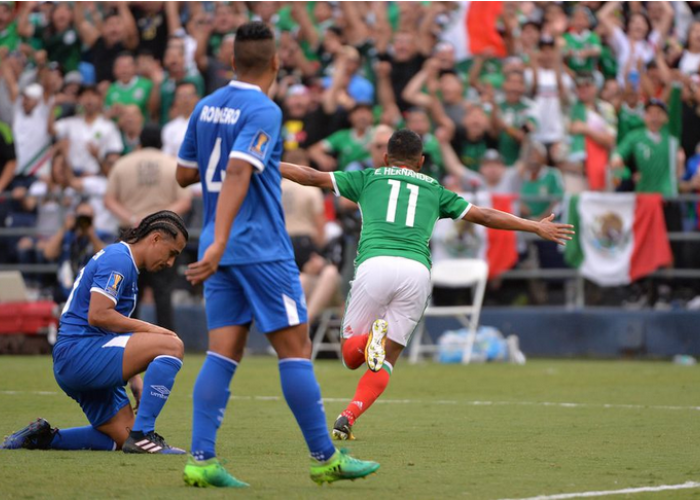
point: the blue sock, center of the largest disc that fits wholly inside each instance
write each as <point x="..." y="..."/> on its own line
<point x="303" y="396"/>
<point x="157" y="384"/>
<point x="82" y="438"/>
<point x="211" y="395"/>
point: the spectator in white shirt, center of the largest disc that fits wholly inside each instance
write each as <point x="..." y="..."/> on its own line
<point x="186" y="98"/>
<point x="30" y="129"/>
<point x="88" y="137"/>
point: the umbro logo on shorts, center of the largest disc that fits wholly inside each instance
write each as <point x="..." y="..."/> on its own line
<point x="161" y="391"/>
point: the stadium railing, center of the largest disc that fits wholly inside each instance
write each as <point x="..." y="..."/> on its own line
<point x="574" y="300"/>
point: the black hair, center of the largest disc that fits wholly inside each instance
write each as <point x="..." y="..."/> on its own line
<point x="124" y="53"/>
<point x="151" y="136"/>
<point x="88" y="88"/>
<point x="254" y="48"/>
<point x="405" y="146"/>
<point x="185" y="83"/>
<point x="165" y="221"/>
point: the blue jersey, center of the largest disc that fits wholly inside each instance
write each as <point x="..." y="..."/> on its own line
<point x="240" y="121"/>
<point x="111" y="272"/>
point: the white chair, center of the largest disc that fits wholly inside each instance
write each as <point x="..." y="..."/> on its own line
<point x="454" y="273"/>
<point x="326" y="338"/>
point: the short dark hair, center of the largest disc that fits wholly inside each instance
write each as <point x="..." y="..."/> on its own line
<point x="124" y="53"/>
<point x="85" y="89"/>
<point x="186" y="83"/>
<point x="150" y="136"/>
<point x="405" y="147"/>
<point x="254" y="48"/>
<point x="164" y="221"/>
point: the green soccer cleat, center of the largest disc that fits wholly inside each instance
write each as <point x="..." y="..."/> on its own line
<point x="341" y="466"/>
<point x="375" y="352"/>
<point x="207" y="473"/>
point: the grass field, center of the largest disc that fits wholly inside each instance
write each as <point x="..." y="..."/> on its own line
<point x="488" y="431"/>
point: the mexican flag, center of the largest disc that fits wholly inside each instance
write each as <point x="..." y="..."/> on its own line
<point x="464" y="240"/>
<point x="620" y="237"/>
<point x="473" y="29"/>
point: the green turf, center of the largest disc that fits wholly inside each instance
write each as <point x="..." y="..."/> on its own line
<point x="432" y="440"/>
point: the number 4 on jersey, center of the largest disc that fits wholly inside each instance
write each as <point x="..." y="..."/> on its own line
<point x="394" y="198"/>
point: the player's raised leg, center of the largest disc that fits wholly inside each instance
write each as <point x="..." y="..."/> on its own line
<point x="395" y="290"/>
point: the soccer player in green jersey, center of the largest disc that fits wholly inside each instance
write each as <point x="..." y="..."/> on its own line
<point x="391" y="288"/>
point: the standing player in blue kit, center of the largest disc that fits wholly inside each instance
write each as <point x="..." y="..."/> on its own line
<point x="246" y="262"/>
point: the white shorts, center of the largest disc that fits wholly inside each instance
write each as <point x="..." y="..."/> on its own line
<point x="394" y="289"/>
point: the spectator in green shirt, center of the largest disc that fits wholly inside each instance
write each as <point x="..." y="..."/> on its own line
<point x="8" y="27"/>
<point x="583" y="47"/>
<point x="512" y="118"/>
<point x="164" y="84"/>
<point x="539" y="180"/>
<point x="128" y="88"/>
<point x="651" y="153"/>
<point x="348" y="145"/>
<point x="59" y="37"/>
<point x="631" y="114"/>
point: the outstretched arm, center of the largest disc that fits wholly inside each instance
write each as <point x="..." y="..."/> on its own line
<point x="545" y="229"/>
<point x="306" y="176"/>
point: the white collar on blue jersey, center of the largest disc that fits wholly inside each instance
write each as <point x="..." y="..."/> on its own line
<point x="131" y="255"/>
<point x="244" y="85"/>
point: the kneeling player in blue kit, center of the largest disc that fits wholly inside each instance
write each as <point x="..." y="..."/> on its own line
<point x="100" y="348"/>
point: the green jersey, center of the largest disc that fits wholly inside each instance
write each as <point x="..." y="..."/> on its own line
<point x="9" y="37"/>
<point x="653" y="156"/>
<point x="548" y="182"/>
<point x="629" y="119"/>
<point x="137" y="91"/>
<point x="64" y="47"/>
<point x="348" y="146"/>
<point x="575" y="43"/>
<point x="399" y="209"/>
<point x="514" y="115"/>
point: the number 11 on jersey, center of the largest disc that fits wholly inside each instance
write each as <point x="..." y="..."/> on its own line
<point x="394" y="199"/>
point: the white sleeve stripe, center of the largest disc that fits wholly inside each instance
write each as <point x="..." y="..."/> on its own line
<point x="469" y="206"/>
<point x="335" y="184"/>
<point x="99" y="290"/>
<point x="187" y="163"/>
<point x="250" y="159"/>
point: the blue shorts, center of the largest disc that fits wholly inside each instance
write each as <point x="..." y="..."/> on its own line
<point x="89" y="370"/>
<point x="269" y="293"/>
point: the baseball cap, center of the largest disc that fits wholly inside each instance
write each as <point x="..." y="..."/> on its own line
<point x="584" y="78"/>
<point x="546" y="41"/>
<point x="73" y="77"/>
<point x="656" y="102"/>
<point x="492" y="155"/>
<point x="297" y="89"/>
<point x="34" y="91"/>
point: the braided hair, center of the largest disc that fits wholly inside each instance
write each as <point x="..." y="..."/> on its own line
<point x="165" y="221"/>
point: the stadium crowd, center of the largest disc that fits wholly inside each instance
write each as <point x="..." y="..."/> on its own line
<point x="555" y="99"/>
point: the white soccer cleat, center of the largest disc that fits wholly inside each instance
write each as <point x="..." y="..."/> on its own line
<point x="375" y="351"/>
